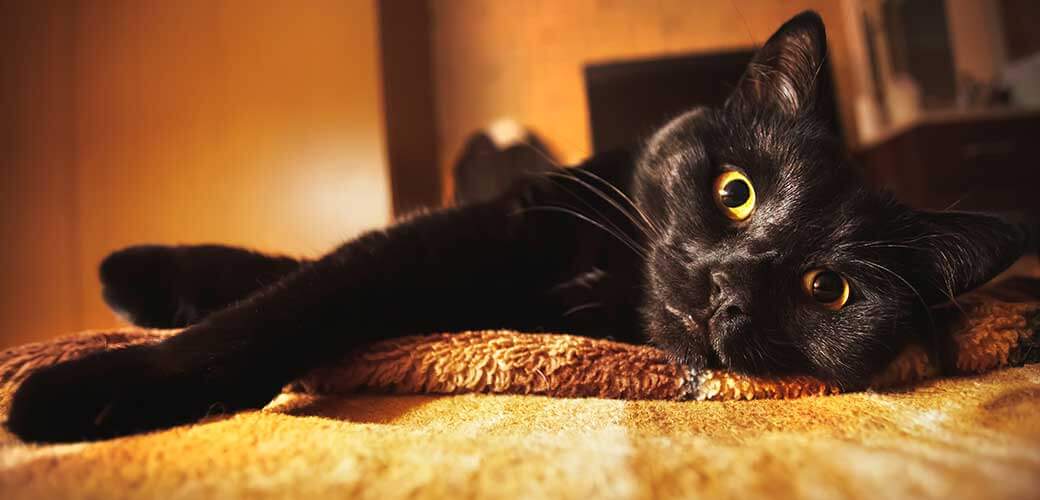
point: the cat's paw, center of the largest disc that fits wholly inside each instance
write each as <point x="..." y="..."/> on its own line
<point x="109" y="394"/>
<point x="139" y="283"/>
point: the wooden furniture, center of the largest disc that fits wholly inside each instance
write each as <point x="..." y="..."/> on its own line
<point x="982" y="161"/>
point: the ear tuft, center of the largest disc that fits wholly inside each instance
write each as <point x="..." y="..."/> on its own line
<point x="784" y="75"/>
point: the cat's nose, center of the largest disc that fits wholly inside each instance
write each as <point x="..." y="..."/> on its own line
<point x="729" y="296"/>
<point x="722" y="285"/>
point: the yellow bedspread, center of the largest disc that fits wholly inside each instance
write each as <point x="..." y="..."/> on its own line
<point x="956" y="437"/>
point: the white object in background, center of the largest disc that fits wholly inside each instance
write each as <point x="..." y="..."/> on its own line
<point x="868" y="118"/>
<point x="1023" y="77"/>
<point x="505" y="132"/>
<point x="904" y="100"/>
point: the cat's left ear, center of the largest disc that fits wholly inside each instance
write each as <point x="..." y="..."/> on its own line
<point x="960" y="251"/>
<point x="785" y="74"/>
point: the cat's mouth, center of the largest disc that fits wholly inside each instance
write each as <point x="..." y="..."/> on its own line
<point x="713" y="342"/>
<point x="699" y="332"/>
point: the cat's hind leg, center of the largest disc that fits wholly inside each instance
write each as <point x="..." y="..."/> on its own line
<point x="174" y="286"/>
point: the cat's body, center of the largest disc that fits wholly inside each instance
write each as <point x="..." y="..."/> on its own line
<point x="738" y="238"/>
<point x="526" y="265"/>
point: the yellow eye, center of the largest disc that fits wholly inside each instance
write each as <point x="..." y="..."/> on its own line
<point x="827" y="287"/>
<point x="734" y="195"/>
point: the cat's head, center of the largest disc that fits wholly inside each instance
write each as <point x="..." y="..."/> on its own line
<point x="771" y="256"/>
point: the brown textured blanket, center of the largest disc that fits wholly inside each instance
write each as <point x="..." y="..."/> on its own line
<point x="969" y="430"/>
<point x="990" y="334"/>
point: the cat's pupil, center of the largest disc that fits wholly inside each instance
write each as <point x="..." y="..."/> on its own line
<point x="827" y="287"/>
<point x="735" y="193"/>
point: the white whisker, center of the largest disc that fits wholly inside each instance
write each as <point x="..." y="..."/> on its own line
<point x="641" y="252"/>
<point x="604" y="196"/>
<point x="647" y="220"/>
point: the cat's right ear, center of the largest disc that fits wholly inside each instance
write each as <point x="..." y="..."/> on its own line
<point x="785" y="74"/>
<point x="954" y="252"/>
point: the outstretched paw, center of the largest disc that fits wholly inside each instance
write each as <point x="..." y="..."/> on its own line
<point x="115" y="393"/>
<point x="139" y="283"/>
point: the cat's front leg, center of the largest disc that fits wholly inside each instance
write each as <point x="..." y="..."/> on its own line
<point x="467" y="267"/>
<point x="484" y="265"/>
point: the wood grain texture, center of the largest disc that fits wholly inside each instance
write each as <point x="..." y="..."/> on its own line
<point x="39" y="254"/>
<point x="241" y="122"/>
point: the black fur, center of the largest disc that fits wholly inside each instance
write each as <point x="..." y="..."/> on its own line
<point x="616" y="247"/>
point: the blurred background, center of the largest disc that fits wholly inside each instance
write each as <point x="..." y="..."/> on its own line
<point x="291" y="126"/>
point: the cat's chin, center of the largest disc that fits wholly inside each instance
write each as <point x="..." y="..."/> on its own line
<point x="681" y="336"/>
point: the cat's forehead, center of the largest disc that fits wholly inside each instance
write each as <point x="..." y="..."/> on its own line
<point x="766" y="139"/>
<point x="793" y="163"/>
<point x="677" y="137"/>
<point x="806" y="194"/>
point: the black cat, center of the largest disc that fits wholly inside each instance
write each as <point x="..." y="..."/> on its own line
<point x="740" y="237"/>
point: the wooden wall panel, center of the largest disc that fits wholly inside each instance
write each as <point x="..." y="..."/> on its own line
<point x="38" y="236"/>
<point x="249" y="123"/>
<point x="255" y="123"/>
<point x="524" y="60"/>
<point x="408" y="96"/>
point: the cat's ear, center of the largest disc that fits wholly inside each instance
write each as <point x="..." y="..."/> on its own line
<point x="960" y="251"/>
<point x="785" y="74"/>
